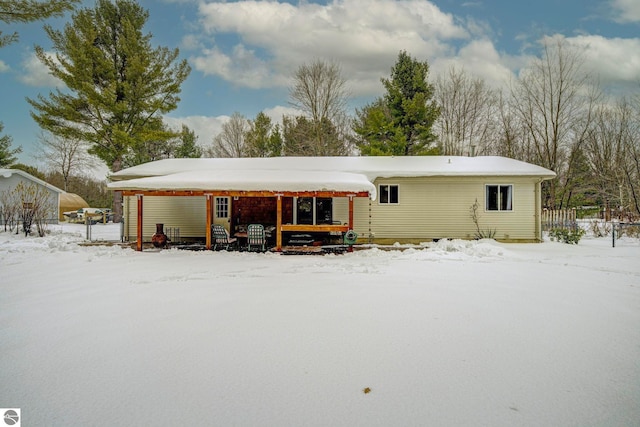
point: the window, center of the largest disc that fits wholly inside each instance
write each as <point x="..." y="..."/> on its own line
<point x="308" y="208"/>
<point x="499" y="197"/>
<point x="388" y="194"/>
<point x="305" y="210"/>
<point x="222" y="207"/>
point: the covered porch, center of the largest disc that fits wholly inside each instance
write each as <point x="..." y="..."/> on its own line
<point x="274" y="186"/>
<point x="280" y="226"/>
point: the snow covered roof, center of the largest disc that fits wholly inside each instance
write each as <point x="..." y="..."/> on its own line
<point x="371" y="167"/>
<point x="308" y="173"/>
<point x="251" y="180"/>
<point x="6" y="173"/>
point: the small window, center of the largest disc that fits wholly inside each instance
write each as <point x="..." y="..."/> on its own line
<point x="388" y="194"/>
<point x="499" y="197"/>
<point x="222" y="207"/>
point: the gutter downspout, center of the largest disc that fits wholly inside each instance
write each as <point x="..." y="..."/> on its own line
<point x="538" y="208"/>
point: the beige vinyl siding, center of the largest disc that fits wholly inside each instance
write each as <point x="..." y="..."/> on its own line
<point x="360" y="214"/>
<point x="439" y="207"/>
<point x="185" y="212"/>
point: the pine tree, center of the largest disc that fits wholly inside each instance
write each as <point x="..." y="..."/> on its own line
<point x="263" y="138"/>
<point x="7" y="155"/>
<point x="187" y="146"/>
<point x="400" y="122"/>
<point x="118" y="85"/>
<point x="22" y="11"/>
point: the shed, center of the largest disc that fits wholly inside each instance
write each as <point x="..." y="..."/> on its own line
<point x="10" y="178"/>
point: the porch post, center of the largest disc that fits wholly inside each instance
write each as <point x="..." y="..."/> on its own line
<point x="139" y="231"/>
<point x="351" y="212"/>
<point x="279" y="223"/>
<point x="209" y="203"/>
<point x="350" y="218"/>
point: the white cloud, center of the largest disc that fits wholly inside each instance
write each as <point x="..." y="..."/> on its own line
<point x="241" y="67"/>
<point x="626" y="11"/>
<point x="4" y="67"/>
<point x="35" y="73"/>
<point x="480" y="59"/>
<point x="276" y="113"/>
<point x="363" y="36"/>
<point x="204" y="127"/>
<point x="613" y="60"/>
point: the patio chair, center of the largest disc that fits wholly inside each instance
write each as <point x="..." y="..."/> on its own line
<point x="256" y="238"/>
<point x="221" y="238"/>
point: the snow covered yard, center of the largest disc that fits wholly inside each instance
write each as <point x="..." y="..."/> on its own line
<point x="456" y="333"/>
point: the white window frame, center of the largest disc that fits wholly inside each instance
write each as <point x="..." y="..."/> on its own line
<point x="388" y="202"/>
<point x="499" y="198"/>
<point x="222" y="207"/>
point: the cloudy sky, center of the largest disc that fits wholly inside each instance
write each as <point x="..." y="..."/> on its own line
<point x="243" y="53"/>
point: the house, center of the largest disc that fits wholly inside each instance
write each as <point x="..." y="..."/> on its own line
<point x="383" y="199"/>
<point x="11" y="178"/>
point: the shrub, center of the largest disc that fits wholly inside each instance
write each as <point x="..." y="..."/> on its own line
<point x="599" y="229"/>
<point x="566" y="235"/>
<point x="475" y="217"/>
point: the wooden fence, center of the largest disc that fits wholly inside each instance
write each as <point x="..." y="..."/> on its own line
<point x="559" y="218"/>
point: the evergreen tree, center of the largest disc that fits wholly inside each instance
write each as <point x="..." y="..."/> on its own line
<point x="31" y="170"/>
<point x="7" y="155"/>
<point x="187" y="144"/>
<point x="23" y="11"/>
<point x="118" y="84"/>
<point x="263" y="138"/>
<point x="400" y="122"/>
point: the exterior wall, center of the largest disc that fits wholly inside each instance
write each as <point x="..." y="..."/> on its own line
<point x="438" y="207"/>
<point x="10" y="183"/>
<point x="186" y="213"/>
<point x="429" y="208"/>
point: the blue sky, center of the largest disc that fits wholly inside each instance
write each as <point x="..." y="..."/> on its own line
<point x="243" y="52"/>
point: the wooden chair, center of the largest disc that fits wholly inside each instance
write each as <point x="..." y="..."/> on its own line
<point x="256" y="238"/>
<point x="221" y="238"/>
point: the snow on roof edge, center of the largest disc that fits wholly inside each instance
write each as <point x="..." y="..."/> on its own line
<point x="372" y="167"/>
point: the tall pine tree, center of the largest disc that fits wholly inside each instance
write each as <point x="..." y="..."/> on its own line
<point x="117" y="84"/>
<point x="400" y="122"/>
<point x="22" y="11"/>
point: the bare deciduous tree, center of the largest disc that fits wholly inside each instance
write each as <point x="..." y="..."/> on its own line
<point x="320" y="91"/>
<point x="67" y="156"/>
<point x="468" y="114"/>
<point x="230" y="141"/>
<point x="9" y="205"/>
<point x="554" y="104"/>
<point x="33" y="204"/>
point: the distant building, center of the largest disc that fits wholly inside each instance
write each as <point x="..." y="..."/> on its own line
<point x="10" y="178"/>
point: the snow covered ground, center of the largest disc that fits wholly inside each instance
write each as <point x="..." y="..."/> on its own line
<point x="453" y="334"/>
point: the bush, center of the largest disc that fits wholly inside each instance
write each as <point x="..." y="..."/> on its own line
<point x="565" y="235"/>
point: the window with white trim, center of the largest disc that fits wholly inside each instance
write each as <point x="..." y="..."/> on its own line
<point x="388" y="194"/>
<point x="222" y="207"/>
<point x="499" y="197"/>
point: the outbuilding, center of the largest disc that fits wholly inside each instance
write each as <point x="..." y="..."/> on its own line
<point x="10" y="179"/>
<point x="383" y="199"/>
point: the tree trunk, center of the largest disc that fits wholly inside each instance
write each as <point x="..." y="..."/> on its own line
<point x="117" y="195"/>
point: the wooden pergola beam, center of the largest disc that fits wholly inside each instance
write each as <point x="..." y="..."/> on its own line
<point x="219" y="193"/>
